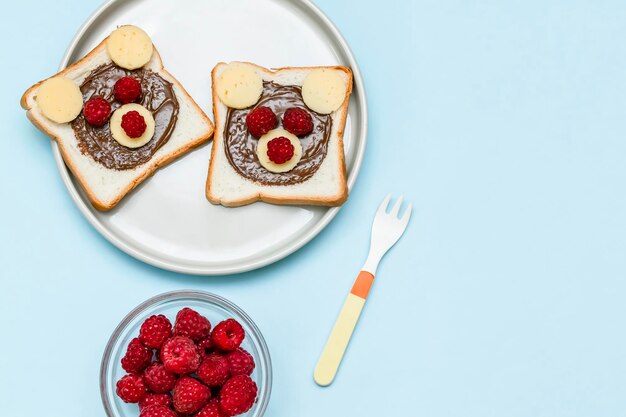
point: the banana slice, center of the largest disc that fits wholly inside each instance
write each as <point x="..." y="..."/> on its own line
<point x="129" y="47"/>
<point x="60" y="99"/>
<point x="120" y="135"/>
<point x="238" y="86"/>
<point x="323" y="90"/>
<point x="261" y="151"/>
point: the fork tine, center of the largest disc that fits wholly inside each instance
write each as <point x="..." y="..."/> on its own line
<point x="406" y="215"/>
<point x="383" y="206"/>
<point x="396" y="207"/>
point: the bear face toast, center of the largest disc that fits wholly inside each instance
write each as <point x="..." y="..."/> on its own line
<point x="279" y="135"/>
<point x="117" y="116"/>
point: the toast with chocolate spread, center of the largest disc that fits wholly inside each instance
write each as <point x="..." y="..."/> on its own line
<point x="278" y="135"/>
<point x="117" y="116"/>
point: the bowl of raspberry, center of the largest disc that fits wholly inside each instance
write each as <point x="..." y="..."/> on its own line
<point x="186" y="353"/>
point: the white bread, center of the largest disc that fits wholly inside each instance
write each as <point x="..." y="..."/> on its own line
<point x="106" y="187"/>
<point x="327" y="187"/>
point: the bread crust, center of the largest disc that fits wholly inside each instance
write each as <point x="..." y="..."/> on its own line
<point x="149" y="168"/>
<point x="336" y="200"/>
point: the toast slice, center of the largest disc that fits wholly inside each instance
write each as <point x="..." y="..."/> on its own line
<point x="326" y="187"/>
<point x="105" y="187"/>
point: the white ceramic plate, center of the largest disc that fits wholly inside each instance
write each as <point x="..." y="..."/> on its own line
<point x="167" y="221"/>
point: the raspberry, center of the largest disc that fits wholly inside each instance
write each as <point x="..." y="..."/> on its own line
<point x="158" y="379"/>
<point x="212" y="409"/>
<point x="190" y="395"/>
<point x="155" y="330"/>
<point x="227" y="335"/>
<point x="157" y="411"/>
<point x="131" y="388"/>
<point x="214" y="370"/>
<point x="133" y="124"/>
<point x="179" y="355"/>
<point x="97" y="111"/>
<point x="240" y="361"/>
<point x="191" y="324"/>
<point x="237" y="395"/>
<point x="155" y="399"/>
<point x="127" y="90"/>
<point x="137" y="357"/>
<point x="205" y="346"/>
<point x="260" y="121"/>
<point x="298" y="121"/>
<point x="280" y="150"/>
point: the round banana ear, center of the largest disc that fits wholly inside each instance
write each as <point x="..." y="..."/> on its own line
<point x="60" y="99"/>
<point x="324" y="90"/>
<point x="239" y="86"/>
<point x="130" y="47"/>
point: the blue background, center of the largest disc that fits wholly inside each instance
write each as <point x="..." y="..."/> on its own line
<point x="502" y="121"/>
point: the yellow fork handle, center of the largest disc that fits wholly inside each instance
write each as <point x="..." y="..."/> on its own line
<point x="339" y="338"/>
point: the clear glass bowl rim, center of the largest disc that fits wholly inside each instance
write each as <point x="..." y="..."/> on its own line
<point x="198" y="295"/>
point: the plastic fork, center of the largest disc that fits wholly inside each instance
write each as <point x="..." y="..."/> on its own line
<point x="386" y="231"/>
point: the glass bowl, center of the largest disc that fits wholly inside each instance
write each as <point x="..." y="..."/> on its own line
<point x="216" y="309"/>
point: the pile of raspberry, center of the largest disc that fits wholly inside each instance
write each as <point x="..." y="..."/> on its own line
<point x="188" y="369"/>
<point x="97" y="110"/>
